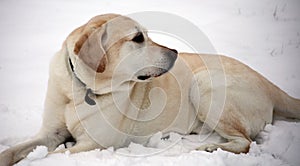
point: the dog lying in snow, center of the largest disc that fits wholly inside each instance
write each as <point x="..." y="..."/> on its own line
<point x="110" y="85"/>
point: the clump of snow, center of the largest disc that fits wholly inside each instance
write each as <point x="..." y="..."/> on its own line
<point x="38" y="153"/>
<point x="155" y="139"/>
<point x="289" y="133"/>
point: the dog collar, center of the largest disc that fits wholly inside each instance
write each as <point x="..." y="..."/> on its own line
<point x="87" y="97"/>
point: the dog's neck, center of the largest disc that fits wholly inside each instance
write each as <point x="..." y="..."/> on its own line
<point x="90" y="81"/>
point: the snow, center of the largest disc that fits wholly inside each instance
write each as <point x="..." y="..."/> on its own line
<point x="38" y="153"/>
<point x="263" y="34"/>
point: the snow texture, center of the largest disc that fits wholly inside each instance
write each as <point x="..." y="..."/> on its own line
<point x="264" y="34"/>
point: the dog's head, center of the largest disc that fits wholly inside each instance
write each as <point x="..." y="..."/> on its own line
<point x="117" y="44"/>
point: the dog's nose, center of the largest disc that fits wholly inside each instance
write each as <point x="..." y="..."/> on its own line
<point x="173" y="54"/>
<point x="175" y="51"/>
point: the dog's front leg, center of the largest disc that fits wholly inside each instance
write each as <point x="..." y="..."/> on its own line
<point x="49" y="137"/>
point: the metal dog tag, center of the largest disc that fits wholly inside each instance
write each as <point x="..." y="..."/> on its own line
<point x="88" y="99"/>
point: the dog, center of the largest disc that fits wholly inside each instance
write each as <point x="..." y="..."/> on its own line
<point x="110" y="85"/>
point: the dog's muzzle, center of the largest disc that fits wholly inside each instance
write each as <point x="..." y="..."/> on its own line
<point x="159" y="68"/>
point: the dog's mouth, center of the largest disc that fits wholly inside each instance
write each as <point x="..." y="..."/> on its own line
<point x="148" y="76"/>
<point x="145" y="77"/>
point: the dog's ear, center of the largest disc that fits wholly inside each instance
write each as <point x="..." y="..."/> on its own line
<point x="90" y="50"/>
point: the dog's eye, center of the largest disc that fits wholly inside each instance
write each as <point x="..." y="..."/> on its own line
<point x="139" y="38"/>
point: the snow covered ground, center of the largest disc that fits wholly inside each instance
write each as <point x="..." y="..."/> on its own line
<point x="263" y="34"/>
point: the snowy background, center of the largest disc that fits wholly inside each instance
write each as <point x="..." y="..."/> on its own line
<point x="264" y="34"/>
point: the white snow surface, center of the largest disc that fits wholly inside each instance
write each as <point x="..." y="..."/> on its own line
<point x="263" y="34"/>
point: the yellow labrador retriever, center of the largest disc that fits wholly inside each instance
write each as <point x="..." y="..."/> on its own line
<point x="110" y="85"/>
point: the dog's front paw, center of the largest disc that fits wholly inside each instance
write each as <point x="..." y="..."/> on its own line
<point x="6" y="158"/>
<point x="208" y="147"/>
